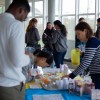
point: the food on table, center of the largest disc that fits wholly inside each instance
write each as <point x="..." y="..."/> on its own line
<point x="46" y="80"/>
<point x="79" y="78"/>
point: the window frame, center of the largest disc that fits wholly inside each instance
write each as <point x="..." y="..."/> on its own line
<point x="60" y="15"/>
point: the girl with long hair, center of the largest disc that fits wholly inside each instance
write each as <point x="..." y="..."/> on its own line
<point x="32" y="34"/>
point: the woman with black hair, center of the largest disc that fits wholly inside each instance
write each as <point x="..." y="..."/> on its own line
<point x="47" y="33"/>
<point x="59" y="42"/>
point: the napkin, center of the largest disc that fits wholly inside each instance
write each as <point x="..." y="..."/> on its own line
<point x="48" y="97"/>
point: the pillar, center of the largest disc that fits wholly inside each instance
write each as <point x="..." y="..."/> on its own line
<point x="51" y="10"/>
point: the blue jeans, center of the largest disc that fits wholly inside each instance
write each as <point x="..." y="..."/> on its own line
<point x="59" y="58"/>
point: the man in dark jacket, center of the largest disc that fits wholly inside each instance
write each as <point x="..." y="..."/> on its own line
<point x="97" y="34"/>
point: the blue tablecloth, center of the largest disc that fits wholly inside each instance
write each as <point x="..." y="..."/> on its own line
<point x="65" y="94"/>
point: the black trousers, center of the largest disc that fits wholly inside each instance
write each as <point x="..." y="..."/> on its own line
<point x="96" y="80"/>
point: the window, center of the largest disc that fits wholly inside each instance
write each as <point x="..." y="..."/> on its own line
<point x="69" y="22"/>
<point x="30" y="14"/>
<point x="68" y="7"/>
<point x="86" y="6"/>
<point x="99" y="6"/>
<point x="40" y="29"/>
<point x="39" y="15"/>
<point x="2" y="6"/>
<point x="91" y="20"/>
<point x="56" y="7"/>
<point x="56" y="18"/>
<point x="2" y="9"/>
<point x="26" y="23"/>
<point x="40" y="25"/>
<point x="39" y="8"/>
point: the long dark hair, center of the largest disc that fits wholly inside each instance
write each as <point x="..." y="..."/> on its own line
<point x="83" y="25"/>
<point x="61" y="26"/>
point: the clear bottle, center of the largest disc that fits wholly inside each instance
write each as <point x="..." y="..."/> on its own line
<point x="97" y="94"/>
<point x="93" y="94"/>
<point x="71" y="86"/>
<point x="79" y="90"/>
<point x="88" y="88"/>
<point x="66" y="83"/>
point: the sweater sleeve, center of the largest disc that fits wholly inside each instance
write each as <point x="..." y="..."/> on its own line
<point x="55" y="37"/>
<point x="37" y="34"/>
<point x="44" y="37"/>
<point x="88" y="57"/>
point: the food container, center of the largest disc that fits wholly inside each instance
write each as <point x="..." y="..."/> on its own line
<point x="66" y="83"/>
<point x="71" y="86"/>
<point x="75" y="57"/>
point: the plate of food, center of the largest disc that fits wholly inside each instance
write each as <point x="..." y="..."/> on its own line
<point x="52" y="82"/>
<point x="49" y="86"/>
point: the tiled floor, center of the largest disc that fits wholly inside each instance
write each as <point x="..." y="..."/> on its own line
<point x="70" y="65"/>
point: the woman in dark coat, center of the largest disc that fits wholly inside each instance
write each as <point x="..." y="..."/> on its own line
<point x="32" y="34"/>
<point x="47" y="33"/>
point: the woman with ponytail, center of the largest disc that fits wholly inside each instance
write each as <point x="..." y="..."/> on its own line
<point x="59" y="42"/>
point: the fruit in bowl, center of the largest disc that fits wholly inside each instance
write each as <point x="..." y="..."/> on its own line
<point x="46" y="81"/>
